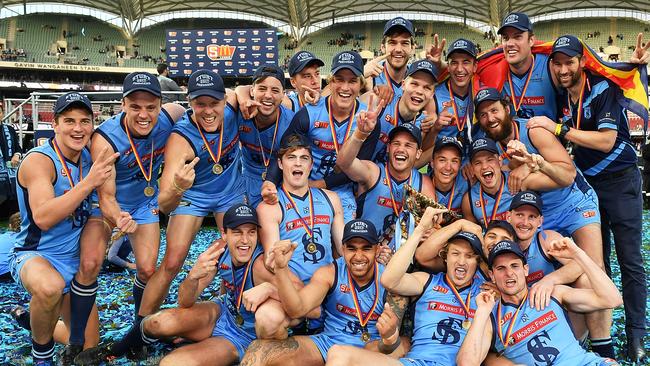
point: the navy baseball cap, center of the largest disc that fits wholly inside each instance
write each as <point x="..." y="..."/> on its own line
<point x="486" y="94"/>
<point x="401" y="23"/>
<point x="483" y="144"/>
<point x="269" y="70"/>
<point x="568" y="45"/>
<point x="70" y="99"/>
<point x="503" y="247"/>
<point x="409" y="128"/>
<point x="502" y="224"/>
<point x="141" y="81"/>
<point x="294" y="140"/>
<point x="301" y="60"/>
<point x="516" y="20"/>
<point x="526" y="198"/>
<point x="348" y="60"/>
<point x="239" y="214"/>
<point x="205" y="83"/>
<point x="423" y="65"/>
<point x="462" y="45"/>
<point x="448" y="141"/>
<point x="360" y="228"/>
<point x="472" y="239"/>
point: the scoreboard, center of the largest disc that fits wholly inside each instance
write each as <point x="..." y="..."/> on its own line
<point x="228" y="52"/>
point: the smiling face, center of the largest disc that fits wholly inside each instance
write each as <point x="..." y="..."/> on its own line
<point x="417" y="90"/>
<point x="462" y="262"/>
<point x="517" y="45"/>
<point x="296" y="165"/>
<point x="461" y="68"/>
<point x="487" y="168"/>
<point x="241" y="241"/>
<point x="208" y="112"/>
<point x="403" y="152"/>
<point x="446" y="165"/>
<point x="567" y="69"/>
<point x="399" y="47"/>
<point x="526" y="220"/>
<point x="509" y="274"/>
<point x="268" y="91"/>
<point x="495" y="119"/>
<point x="359" y="256"/>
<point x="493" y="236"/>
<point x="73" y="128"/>
<point x="345" y="88"/>
<point x="141" y="112"/>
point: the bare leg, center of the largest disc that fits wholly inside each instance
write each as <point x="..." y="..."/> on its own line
<point x="46" y="285"/>
<point x="271" y="321"/>
<point x="194" y="323"/>
<point x="211" y="351"/>
<point x="293" y="351"/>
<point x="145" y="242"/>
<point x="340" y="355"/>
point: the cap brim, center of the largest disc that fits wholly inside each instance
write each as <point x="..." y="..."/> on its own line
<point x="369" y="240"/>
<point x="471" y="156"/>
<point x="460" y="50"/>
<point x="409" y="31"/>
<point x="491" y="258"/>
<point x="207" y="92"/>
<point x="519" y="27"/>
<point x="439" y="147"/>
<point x="302" y="65"/>
<point x="354" y="70"/>
<point x="399" y="129"/>
<point x="76" y="103"/>
<point x="568" y="52"/>
<point x="159" y="95"/>
<point x="435" y="77"/>
<point x="519" y="204"/>
<point x="490" y="99"/>
<point x="240" y="223"/>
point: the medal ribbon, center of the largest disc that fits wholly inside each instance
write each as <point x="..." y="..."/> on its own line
<point x="505" y="341"/>
<point x="459" y="122"/>
<point x="333" y="129"/>
<point x="523" y="92"/>
<point x="363" y="321"/>
<point x="497" y="200"/>
<point x="515" y="127"/>
<point x="259" y="139"/>
<point x="582" y="93"/>
<point x="300" y="102"/>
<point x="207" y="146"/>
<point x="243" y="281"/>
<point x="138" y="159"/>
<point x="308" y="228"/>
<point x="389" y="80"/>
<point x="395" y="120"/>
<point x="59" y="154"/>
<point x="460" y="299"/>
<point x="390" y="189"/>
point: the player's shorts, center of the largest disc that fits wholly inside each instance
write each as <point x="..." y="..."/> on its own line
<point x="417" y="362"/>
<point x="147" y="213"/>
<point x="201" y="204"/>
<point x="324" y="343"/>
<point x="253" y="189"/>
<point x="226" y="327"/>
<point x="581" y="210"/>
<point x="348" y="202"/>
<point x="67" y="267"/>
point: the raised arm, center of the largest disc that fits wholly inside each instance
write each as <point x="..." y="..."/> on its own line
<point x="200" y="276"/>
<point x="427" y="252"/>
<point x="178" y="175"/>
<point x="477" y="342"/>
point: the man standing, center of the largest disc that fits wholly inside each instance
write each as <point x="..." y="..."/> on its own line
<point x="596" y="125"/>
<point x="167" y="84"/>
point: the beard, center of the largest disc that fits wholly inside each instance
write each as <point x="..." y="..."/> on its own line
<point x="505" y="130"/>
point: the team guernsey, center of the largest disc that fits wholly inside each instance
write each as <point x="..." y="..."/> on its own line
<point x="385" y="79"/>
<point x="438" y="319"/>
<point x="380" y="203"/>
<point x="212" y="192"/>
<point x="453" y="199"/>
<point x="601" y="95"/>
<point x="565" y="209"/>
<point x="462" y="109"/>
<point x="236" y="324"/>
<point x="535" y="94"/>
<point x="312" y="252"/>
<point x="539" y="337"/>
<point x="539" y="264"/>
<point x="342" y="325"/>
<point x="61" y="240"/>
<point x="389" y="118"/>
<point x="130" y="181"/>
<point x="495" y="207"/>
<point x="259" y="148"/>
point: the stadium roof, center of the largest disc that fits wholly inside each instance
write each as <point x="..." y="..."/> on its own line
<point x="300" y="17"/>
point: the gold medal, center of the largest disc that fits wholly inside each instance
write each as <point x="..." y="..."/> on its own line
<point x="264" y="176"/>
<point x="149" y="191"/>
<point x="239" y="320"/>
<point x="466" y="324"/>
<point x="217" y="169"/>
<point x="365" y="337"/>
<point x="311" y="248"/>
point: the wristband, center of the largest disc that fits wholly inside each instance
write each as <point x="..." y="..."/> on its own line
<point x="563" y="131"/>
<point x="177" y="188"/>
<point x="558" y="128"/>
<point x="388" y="349"/>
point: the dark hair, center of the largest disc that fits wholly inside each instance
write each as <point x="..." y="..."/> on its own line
<point x="294" y="143"/>
<point x="161" y="68"/>
<point x="502" y="224"/>
<point x="396" y="32"/>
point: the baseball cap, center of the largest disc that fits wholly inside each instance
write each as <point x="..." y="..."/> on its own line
<point x="141" y="81"/>
<point x="448" y="141"/>
<point x="503" y="247"/>
<point x="568" y="45"/>
<point x="423" y="65"/>
<point x="483" y="144"/>
<point x="269" y="70"/>
<point x="526" y="198"/>
<point x="486" y="94"/>
<point x="239" y="214"/>
<point x="516" y="20"/>
<point x="348" y="60"/>
<point x="408" y="127"/>
<point x="294" y="140"/>
<point x="462" y="45"/>
<point x="301" y="59"/>
<point x="70" y="99"/>
<point x="206" y="82"/>
<point x="360" y="228"/>
<point x="505" y="225"/>
<point x="399" y="22"/>
<point x="472" y="239"/>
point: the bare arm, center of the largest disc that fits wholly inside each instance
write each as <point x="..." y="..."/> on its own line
<point x="200" y="276"/>
<point x="476" y="344"/>
<point x="174" y="110"/>
<point x="338" y="224"/>
<point x="107" y="201"/>
<point x="427" y="253"/>
<point x="559" y="165"/>
<point x="173" y="181"/>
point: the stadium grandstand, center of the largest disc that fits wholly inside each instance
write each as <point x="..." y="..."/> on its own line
<point x="49" y="48"/>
